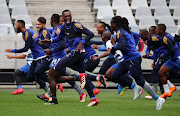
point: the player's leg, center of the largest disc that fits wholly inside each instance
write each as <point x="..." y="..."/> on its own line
<point x="106" y="65"/>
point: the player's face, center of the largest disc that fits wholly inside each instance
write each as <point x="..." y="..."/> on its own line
<point x="39" y="25"/>
<point x="99" y="28"/>
<point x="158" y="30"/>
<point x="61" y="21"/>
<point x="151" y="31"/>
<point x="67" y="17"/>
<point x="17" y="27"/>
<point x="104" y="38"/>
<point x="113" y="25"/>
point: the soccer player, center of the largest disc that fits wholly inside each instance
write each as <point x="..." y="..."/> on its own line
<point x="21" y="72"/>
<point x="132" y="60"/>
<point x="75" y="59"/>
<point x="37" y="52"/>
<point x="173" y="63"/>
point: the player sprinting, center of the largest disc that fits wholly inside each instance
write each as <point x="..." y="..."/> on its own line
<point x="21" y="72"/>
<point x="132" y="60"/>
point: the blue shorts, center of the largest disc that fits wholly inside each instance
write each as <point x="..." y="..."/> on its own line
<point x="173" y="64"/>
<point x="25" y="68"/>
<point x="114" y="65"/>
<point x="54" y="62"/>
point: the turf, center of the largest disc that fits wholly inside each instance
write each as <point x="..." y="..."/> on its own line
<point x="111" y="104"/>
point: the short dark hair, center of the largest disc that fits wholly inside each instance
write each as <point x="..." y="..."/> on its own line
<point x="55" y="18"/>
<point x="162" y="26"/>
<point x="65" y="11"/>
<point x="21" y="22"/>
<point x="153" y="27"/>
<point x="42" y="20"/>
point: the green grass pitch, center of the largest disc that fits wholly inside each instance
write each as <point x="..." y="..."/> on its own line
<point x="111" y="104"/>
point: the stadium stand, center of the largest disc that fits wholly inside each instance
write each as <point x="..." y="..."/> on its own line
<point x="146" y="22"/>
<point x="17" y="11"/>
<point x="13" y="3"/>
<point x="124" y="11"/>
<point x="174" y="3"/>
<point x="99" y="3"/>
<point x="142" y="11"/>
<point x="161" y="11"/>
<point x="104" y="11"/>
<point x="3" y="3"/>
<point x="158" y="3"/>
<point x="138" y="3"/>
<point x="176" y="13"/>
<point x="119" y="3"/>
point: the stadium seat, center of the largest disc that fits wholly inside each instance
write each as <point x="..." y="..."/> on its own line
<point x="138" y="3"/>
<point x="142" y="11"/>
<point x="4" y="11"/>
<point x="19" y="11"/>
<point x="27" y="20"/>
<point x="105" y="11"/>
<point x="146" y="21"/>
<point x="3" y="30"/>
<point x="3" y="3"/>
<point x="158" y="3"/>
<point x="174" y="3"/>
<point x="99" y="3"/>
<point x="169" y="22"/>
<point x="119" y="3"/>
<point x="13" y="3"/>
<point x="124" y="11"/>
<point x="107" y="19"/>
<point x="176" y="13"/>
<point x="161" y="11"/>
<point x="132" y="24"/>
<point x="179" y="21"/>
<point x="5" y="23"/>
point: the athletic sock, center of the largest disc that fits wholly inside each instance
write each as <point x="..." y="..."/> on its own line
<point x="92" y="98"/>
<point x="166" y="88"/>
<point x="72" y="72"/>
<point x="155" y="87"/>
<point x="78" y="89"/>
<point x="91" y="73"/>
<point x="48" y="93"/>
<point x="132" y="86"/>
<point x="19" y="86"/>
<point x="46" y="88"/>
<point x="149" y="89"/>
<point x="170" y="84"/>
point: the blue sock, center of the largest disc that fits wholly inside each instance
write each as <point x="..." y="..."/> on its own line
<point x="155" y="97"/>
<point x="94" y="88"/>
<point x="78" y="75"/>
<point x="19" y="86"/>
<point x="92" y="98"/>
<point x="132" y="85"/>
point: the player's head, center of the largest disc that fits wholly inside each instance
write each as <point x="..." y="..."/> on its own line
<point x="54" y="20"/>
<point x="160" y="29"/>
<point x="106" y="35"/>
<point x="101" y="27"/>
<point x="19" y="25"/>
<point x="61" y="20"/>
<point x="118" y="21"/>
<point x="152" y="30"/>
<point x="40" y="23"/>
<point x="144" y="34"/>
<point x="67" y="16"/>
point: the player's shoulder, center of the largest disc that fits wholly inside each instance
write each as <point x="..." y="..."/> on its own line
<point x="78" y="25"/>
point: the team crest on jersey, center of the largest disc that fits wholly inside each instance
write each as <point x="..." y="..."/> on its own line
<point x="165" y="40"/>
<point x="78" y="25"/>
<point x="154" y="38"/>
<point x="26" y="35"/>
<point x="44" y="33"/>
<point x="117" y="34"/>
<point x="58" y="31"/>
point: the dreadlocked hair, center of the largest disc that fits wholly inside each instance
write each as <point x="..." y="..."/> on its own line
<point x="121" y="22"/>
<point x="108" y="26"/>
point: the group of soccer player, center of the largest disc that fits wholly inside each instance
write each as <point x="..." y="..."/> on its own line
<point x="70" y="58"/>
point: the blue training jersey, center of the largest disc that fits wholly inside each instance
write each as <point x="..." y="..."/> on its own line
<point x="31" y="44"/>
<point x="73" y="34"/>
<point x="126" y="44"/>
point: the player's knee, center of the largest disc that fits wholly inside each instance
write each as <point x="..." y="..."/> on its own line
<point x="161" y="73"/>
<point x="114" y="77"/>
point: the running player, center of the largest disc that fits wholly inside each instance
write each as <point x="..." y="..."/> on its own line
<point x="21" y="72"/>
<point x="132" y="60"/>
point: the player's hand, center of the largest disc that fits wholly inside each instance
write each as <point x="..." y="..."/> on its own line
<point x="148" y="54"/>
<point x="144" y="56"/>
<point x="8" y="50"/>
<point x="94" y="58"/>
<point x="95" y="46"/>
<point x="45" y="41"/>
<point x="153" y="64"/>
<point x="47" y="51"/>
<point x="67" y="50"/>
<point x="79" y="47"/>
<point x="9" y="56"/>
<point x="113" y="41"/>
<point x="35" y="35"/>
